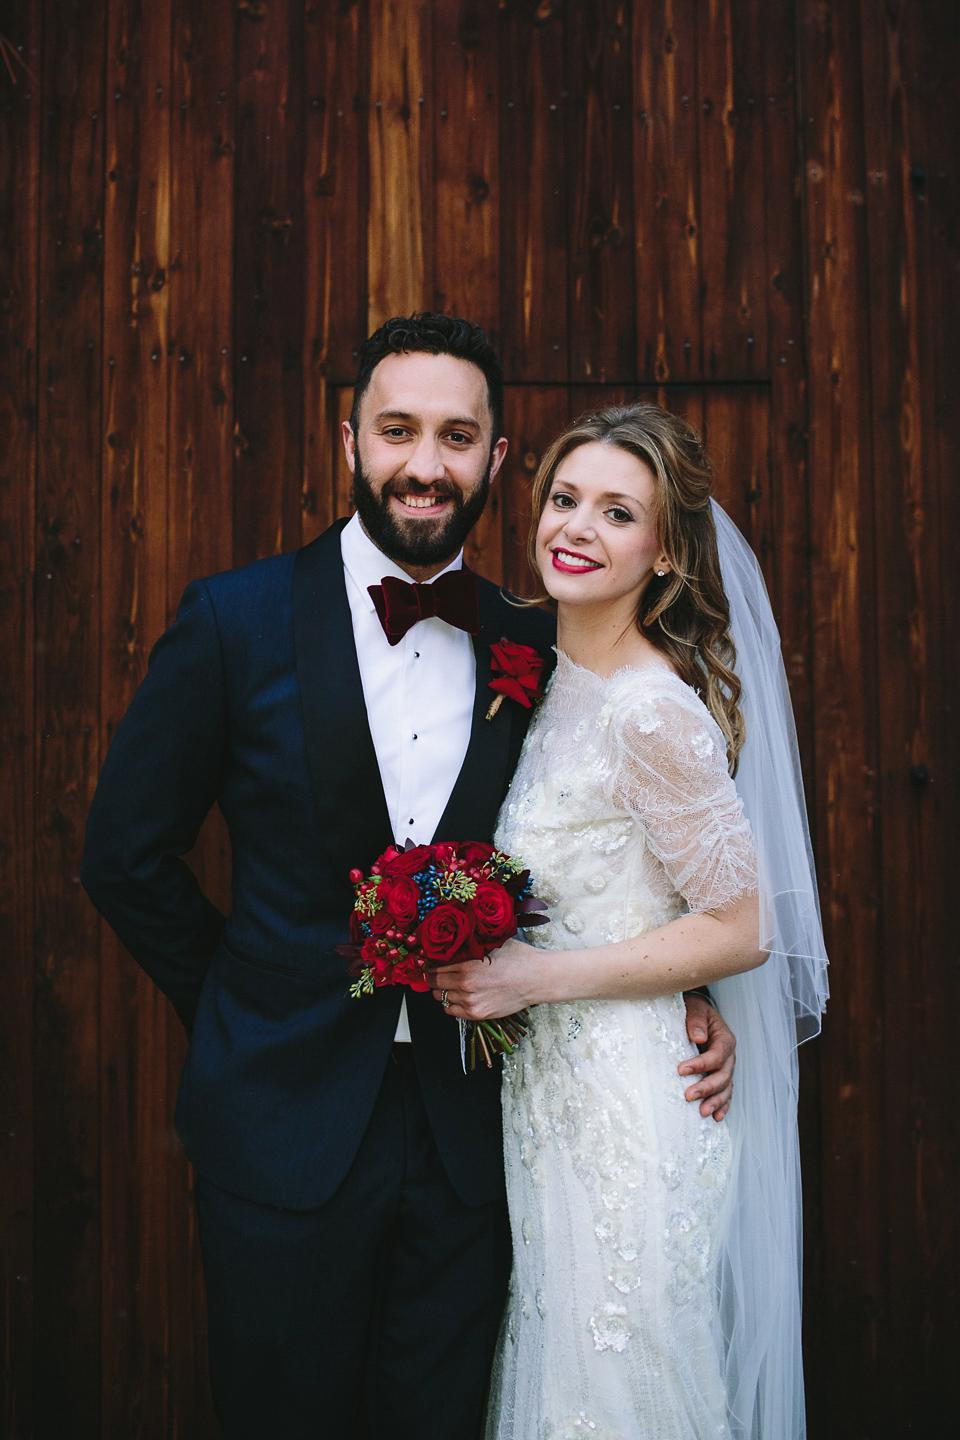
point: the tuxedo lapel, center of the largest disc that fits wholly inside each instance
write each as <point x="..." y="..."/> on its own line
<point x="347" y="788"/>
<point x="471" y="811"/>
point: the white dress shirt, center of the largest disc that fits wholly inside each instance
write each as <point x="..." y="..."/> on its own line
<point x="419" y="696"/>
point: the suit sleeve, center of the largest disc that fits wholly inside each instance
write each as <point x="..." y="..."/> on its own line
<point x="159" y="780"/>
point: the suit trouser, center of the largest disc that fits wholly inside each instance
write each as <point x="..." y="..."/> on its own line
<point x="375" y="1315"/>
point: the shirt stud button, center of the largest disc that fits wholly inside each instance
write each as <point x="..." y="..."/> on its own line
<point x="416" y="654"/>
<point x="414" y="737"/>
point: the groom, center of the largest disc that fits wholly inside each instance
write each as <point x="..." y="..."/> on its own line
<point x="350" y="1189"/>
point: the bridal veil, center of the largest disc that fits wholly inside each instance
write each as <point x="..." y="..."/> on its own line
<point x="771" y="1010"/>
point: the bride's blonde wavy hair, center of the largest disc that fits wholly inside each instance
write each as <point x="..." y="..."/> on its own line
<point x="685" y="614"/>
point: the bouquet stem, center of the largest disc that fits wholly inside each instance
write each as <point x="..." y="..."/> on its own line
<point x="497" y="1037"/>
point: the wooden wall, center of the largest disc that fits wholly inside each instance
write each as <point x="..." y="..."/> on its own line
<point x="746" y="208"/>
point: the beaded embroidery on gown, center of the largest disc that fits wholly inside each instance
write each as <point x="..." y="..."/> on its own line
<point x="623" y="808"/>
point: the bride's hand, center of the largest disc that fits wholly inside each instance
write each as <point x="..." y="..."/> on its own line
<point x="501" y="984"/>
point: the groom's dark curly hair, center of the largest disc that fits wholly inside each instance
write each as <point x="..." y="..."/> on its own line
<point x="431" y="334"/>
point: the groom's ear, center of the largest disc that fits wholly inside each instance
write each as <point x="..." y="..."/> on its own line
<point x="497" y="455"/>
<point x="350" y="443"/>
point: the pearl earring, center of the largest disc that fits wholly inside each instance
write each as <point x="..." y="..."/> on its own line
<point x="661" y="573"/>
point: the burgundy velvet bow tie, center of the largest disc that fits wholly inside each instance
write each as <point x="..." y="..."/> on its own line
<point x="453" y="598"/>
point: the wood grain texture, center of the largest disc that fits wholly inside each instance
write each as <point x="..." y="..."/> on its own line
<point x="399" y="225"/>
<point x="928" y="44"/>
<point x="341" y="403"/>
<point x="534" y="415"/>
<point x="466" y="187"/>
<point x="790" y="594"/>
<point x="335" y="205"/>
<point x="268" y="281"/>
<point x="916" y="553"/>
<point x="200" y="318"/>
<point x="67" y="1383"/>
<point x="133" y="596"/>
<point x="533" y="193"/>
<point x="845" y="705"/>
<point x="199" y="542"/>
<point x="732" y="114"/>
<point x="666" y="184"/>
<point x="203" y="206"/>
<point x="601" y="280"/>
<point x="20" y="110"/>
<point x="736" y="429"/>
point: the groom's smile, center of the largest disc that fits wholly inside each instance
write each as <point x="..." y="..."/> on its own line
<point x="422" y="458"/>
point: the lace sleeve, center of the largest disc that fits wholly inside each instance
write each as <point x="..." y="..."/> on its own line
<point x="668" y="768"/>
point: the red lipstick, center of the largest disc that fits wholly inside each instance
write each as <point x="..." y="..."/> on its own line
<point x="559" y="564"/>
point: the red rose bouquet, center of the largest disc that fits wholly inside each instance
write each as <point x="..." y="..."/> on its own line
<point x="427" y="906"/>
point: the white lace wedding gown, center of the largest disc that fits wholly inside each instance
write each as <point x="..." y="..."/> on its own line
<point x="623" y="809"/>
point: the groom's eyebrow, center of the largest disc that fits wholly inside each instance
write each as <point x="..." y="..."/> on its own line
<point x="459" y="421"/>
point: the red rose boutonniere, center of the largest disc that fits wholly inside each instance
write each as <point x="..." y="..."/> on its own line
<point x="516" y="670"/>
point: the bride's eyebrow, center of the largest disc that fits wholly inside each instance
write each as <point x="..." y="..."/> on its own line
<point x="619" y="496"/>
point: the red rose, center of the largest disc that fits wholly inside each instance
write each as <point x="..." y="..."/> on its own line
<point x="494" y="912"/>
<point x="380" y="922"/>
<point x="404" y="862"/>
<point x="408" y="972"/>
<point x="401" y="897"/>
<point x="368" y="951"/>
<point x="474" y="852"/>
<point x="382" y="971"/>
<point x="517" y="670"/>
<point x="447" y="934"/>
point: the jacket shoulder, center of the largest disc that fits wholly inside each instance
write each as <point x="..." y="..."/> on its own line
<point x="522" y="623"/>
<point x="265" y="578"/>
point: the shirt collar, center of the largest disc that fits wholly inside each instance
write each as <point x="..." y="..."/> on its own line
<point x="367" y="565"/>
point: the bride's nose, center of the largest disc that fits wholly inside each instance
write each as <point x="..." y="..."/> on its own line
<point x="579" y="528"/>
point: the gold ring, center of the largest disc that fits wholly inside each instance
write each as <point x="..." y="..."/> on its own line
<point x="445" y="999"/>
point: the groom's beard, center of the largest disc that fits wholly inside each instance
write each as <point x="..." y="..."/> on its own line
<point x="417" y="542"/>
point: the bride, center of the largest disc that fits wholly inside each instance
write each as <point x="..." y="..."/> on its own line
<point x="655" y="1292"/>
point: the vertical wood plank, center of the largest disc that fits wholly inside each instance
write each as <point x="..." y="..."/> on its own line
<point x="66" y="1075"/>
<point x="785" y="347"/>
<point x="666" y="190"/>
<point x="534" y="415"/>
<point x="202" y="97"/>
<point x="736" y="430"/>
<point x="930" y="41"/>
<point x="466" y="157"/>
<point x="601" y="279"/>
<point x="533" y="193"/>
<point x="732" y="114"/>
<point x="335" y="199"/>
<point x="845" y="700"/>
<point x="683" y="400"/>
<point x="341" y="405"/>
<point x="20" y="109"/>
<point x="137" y="271"/>
<point x="199" y="530"/>
<point x="791" y="581"/>
<point x="399" y="224"/>
<point x="268" y="281"/>
<point x="900" y="68"/>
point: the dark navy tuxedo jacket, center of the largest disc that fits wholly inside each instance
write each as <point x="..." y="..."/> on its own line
<point x="253" y="699"/>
